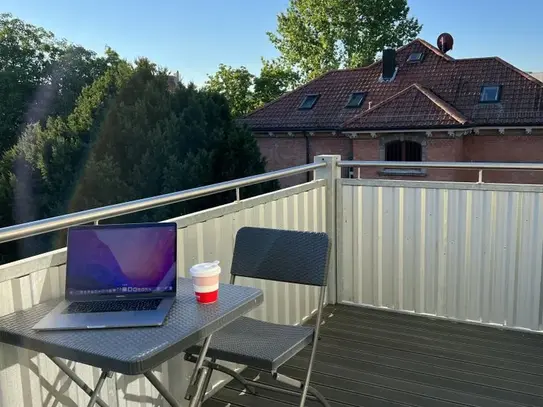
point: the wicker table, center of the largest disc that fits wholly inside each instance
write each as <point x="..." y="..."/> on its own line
<point x="134" y="351"/>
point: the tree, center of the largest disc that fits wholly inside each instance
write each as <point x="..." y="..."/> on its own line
<point x="245" y="91"/>
<point x="275" y="79"/>
<point x="236" y="85"/>
<point x="129" y="136"/>
<point x="40" y="172"/>
<point x="155" y="141"/>
<point x="315" y="36"/>
<point x="40" y="76"/>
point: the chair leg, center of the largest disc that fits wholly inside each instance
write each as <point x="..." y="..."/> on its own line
<point x="251" y="386"/>
<point x="318" y="396"/>
<point x="207" y="380"/>
<point x="212" y="365"/>
<point x="310" y="393"/>
<point x="236" y="376"/>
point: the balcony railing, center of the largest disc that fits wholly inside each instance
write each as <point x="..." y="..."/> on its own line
<point x="465" y="251"/>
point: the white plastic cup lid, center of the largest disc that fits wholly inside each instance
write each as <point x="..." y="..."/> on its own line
<point x="205" y="269"/>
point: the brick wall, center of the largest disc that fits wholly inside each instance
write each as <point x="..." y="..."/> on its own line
<point x="445" y="149"/>
<point x="283" y="151"/>
<point x="513" y="146"/>
<point x="366" y="150"/>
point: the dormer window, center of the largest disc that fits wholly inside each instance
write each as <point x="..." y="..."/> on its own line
<point x="309" y="102"/>
<point x="415" y="57"/>
<point x="356" y="99"/>
<point x="490" y="94"/>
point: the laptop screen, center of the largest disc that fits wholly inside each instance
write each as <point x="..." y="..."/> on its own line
<point x="121" y="259"/>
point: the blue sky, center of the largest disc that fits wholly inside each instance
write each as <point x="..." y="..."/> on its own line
<point x="195" y="36"/>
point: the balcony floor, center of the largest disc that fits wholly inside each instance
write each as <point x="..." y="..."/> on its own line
<point x="373" y="358"/>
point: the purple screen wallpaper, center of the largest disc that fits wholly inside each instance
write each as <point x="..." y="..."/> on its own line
<point x="124" y="260"/>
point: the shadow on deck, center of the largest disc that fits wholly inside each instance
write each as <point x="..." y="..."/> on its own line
<point x="373" y="358"/>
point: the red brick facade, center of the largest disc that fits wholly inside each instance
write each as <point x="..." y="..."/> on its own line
<point x="287" y="150"/>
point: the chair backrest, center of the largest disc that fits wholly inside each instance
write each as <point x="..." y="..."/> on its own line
<point x="282" y="255"/>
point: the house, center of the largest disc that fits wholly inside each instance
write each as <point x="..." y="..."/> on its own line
<point x="416" y="104"/>
<point x="537" y="75"/>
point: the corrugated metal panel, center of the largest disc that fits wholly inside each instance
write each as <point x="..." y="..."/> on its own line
<point x="29" y="379"/>
<point x="472" y="253"/>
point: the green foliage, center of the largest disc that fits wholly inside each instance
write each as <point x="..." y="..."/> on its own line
<point x="315" y="36"/>
<point x="245" y="91"/>
<point x="275" y="79"/>
<point x="236" y="85"/>
<point x="162" y="141"/>
<point x="128" y="137"/>
<point x="40" y="76"/>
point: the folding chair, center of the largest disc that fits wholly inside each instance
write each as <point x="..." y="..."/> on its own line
<point x="276" y="255"/>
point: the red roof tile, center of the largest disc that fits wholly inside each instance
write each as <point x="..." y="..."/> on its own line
<point x="454" y="85"/>
<point x="412" y="107"/>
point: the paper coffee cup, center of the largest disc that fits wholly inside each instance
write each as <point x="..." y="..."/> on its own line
<point x="205" y="278"/>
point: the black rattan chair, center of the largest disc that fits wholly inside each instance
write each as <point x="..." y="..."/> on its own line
<point x="277" y="255"/>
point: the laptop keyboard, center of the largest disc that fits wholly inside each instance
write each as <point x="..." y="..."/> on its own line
<point x="112" y="306"/>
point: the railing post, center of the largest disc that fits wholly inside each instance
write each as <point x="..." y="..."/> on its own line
<point x="331" y="173"/>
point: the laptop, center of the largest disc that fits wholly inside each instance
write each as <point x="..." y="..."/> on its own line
<point x="117" y="276"/>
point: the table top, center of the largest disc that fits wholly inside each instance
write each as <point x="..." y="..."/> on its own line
<point x="133" y="350"/>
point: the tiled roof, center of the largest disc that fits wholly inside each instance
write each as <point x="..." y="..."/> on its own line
<point x="412" y="107"/>
<point x="443" y="91"/>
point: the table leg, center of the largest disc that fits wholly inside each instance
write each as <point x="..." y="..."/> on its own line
<point x="198" y="376"/>
<point x="103" y="376"/>
<point x="75" y="378"/>
<point x="161" y="389"/>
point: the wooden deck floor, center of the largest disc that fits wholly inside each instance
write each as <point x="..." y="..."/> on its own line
<point x="372" y="358"/>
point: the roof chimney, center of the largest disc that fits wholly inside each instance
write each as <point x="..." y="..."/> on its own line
<point x="389" y="64"/>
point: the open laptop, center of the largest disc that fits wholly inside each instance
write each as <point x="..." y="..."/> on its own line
<point x="117" y="276"/>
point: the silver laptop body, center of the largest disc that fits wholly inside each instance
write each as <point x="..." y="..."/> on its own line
<point x="117" y="276"/>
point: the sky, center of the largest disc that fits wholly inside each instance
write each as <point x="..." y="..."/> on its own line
<point x="194" y="37"/>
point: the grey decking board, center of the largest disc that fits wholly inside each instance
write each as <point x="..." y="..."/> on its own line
<point x="453" y="354"/>
<point x="484" y="377"/>
<point x="230" y="396"/>
<point x="434" y="332"/>
<point x="220" y="403"/>
<point x="476" y="330"/>
<point x="525" y="359"/>
<point x="336" y="396"/>
<point x="389" y="359"/>
<point x="445" y="359"/>
<point x="373" y="389"/>
<point x="424" y="382"/>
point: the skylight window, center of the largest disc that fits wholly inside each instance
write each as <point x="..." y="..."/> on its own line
<point x="490" y="94"/>
<point x="356" y="99"/>
<point x="309" y="102"/>
<point x="415" y="57"/>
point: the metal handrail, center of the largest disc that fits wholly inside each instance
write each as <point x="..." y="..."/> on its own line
<point x="444" y="165"/>
<point x="41" y="226"/>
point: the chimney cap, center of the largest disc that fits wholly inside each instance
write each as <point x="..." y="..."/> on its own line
<point x="445" y="42"/>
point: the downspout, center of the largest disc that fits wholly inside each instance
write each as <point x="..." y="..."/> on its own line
<point x="351" y="158"/>
<point x="307" y="155"/>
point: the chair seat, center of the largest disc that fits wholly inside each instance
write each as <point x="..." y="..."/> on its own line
<point x="255" y="343"/>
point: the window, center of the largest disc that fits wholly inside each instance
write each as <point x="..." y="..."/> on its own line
<point x="309" y="101"/>
<point x="490" y="94"/>
<point x="415" y="57"/>
<point x="356" y="99"/>
<point x="403" y="150"/>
